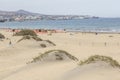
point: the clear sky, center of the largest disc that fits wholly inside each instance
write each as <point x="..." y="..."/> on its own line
<point x="102" y="8"/>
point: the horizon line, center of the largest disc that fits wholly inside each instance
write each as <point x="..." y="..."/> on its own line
<point x="59" y="14"/>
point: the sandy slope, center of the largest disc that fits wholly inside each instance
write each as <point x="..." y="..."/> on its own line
<point x="94" y="71"/>
<point x="13" y="58"/>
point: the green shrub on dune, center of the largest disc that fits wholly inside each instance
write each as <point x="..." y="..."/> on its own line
<point x="43" y="45"/>
<point x="50" y="42"/>
<point x="36" y="38"/>
<point x="28" y="37"/>
<point x="96" y="58"/>
<point x="25" y="32"/>
<point x="2" y="36"/>
<point x="54" y="55"/>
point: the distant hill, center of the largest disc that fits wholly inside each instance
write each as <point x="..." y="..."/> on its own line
<point x="26" y="12"/>
<point x="15" y="13"/>
<point x="22" y="15"/>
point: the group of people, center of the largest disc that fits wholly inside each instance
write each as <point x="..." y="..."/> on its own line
<point x="38" y="31"/>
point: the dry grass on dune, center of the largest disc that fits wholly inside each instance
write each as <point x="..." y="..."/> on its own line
<point x="25" y="32"/>
<point x="28" y="37"/>
<point x="46" y="43"/>
<point x="96" y="58"/>
<point x="54" y="55"/>
<point x="50" y="42"/>
<point x="41" y="43"/>
<point x="2" y="36"/>
<point x="36" y="38"/>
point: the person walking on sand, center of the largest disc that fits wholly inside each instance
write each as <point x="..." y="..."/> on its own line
<point x="105" y="44"/>
<point x="10" y="43"/>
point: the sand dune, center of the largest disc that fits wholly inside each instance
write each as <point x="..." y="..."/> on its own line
<point x="53" y="56"/>
<point x="14" y="57"/>
<point x="94" y="71"/>
<point x="33" y="42"/>
<point x="37" y="71"/>
<point x="95" y="67"/>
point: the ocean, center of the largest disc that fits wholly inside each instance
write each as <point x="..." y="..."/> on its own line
<point x="91" y="25"/>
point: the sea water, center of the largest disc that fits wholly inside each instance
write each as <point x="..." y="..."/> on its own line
<point x="91" y="25"/>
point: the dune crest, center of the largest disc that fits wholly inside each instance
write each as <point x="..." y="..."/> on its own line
<point x="29" y="38"/>
<point x="55" y="55"/>
<point x="96" y="67"/>
<point x="97" y="58"/>
<point x="34" y="42"/>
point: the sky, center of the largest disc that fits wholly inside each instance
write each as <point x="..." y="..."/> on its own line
<point x="101" y="8"/>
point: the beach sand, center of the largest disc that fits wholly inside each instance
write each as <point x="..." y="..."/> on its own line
<point x="14" y="57"/>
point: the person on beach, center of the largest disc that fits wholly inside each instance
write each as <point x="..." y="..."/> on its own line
<point x="10" y="43"/>
<point x="105" y="44"/>
<point x="96" y="33"/>
<point x="13" y="30"/>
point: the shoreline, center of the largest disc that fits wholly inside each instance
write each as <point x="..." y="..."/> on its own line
<point x="65" y="30"/>
<point x="95" y="32"/>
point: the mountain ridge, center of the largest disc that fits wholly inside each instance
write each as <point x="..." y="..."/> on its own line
<point x="21" y="12"/>
<point x="22" y="15"/>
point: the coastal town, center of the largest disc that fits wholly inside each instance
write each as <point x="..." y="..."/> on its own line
<point x="22" y="15"/>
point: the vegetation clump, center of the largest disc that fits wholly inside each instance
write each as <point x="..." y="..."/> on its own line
<point x="96" y="58"/>
<point x="2" y="36"/>
<point x="36" y="38"/>
<point x="54" y="55"/>
<point x="50" y="42"/>
<point x="43" y="45"/>
<point x="27" y="37"/>
<point x="25" y="32"/>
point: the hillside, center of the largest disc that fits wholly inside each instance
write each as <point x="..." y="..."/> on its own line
<point x="22" y="15"/>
